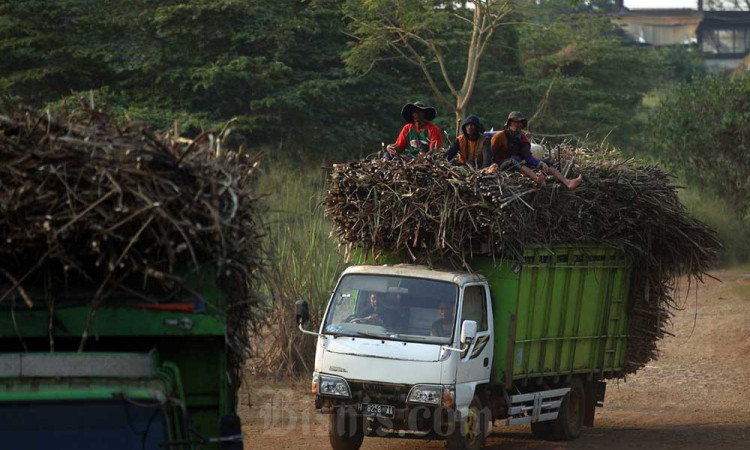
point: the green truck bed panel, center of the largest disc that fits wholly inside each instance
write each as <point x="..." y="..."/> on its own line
<point x="109" y="321"/>
<point x="560" y="312"/>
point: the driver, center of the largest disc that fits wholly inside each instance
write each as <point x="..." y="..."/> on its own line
<point x="443" y="327"/>
<point x="373" y="312"/>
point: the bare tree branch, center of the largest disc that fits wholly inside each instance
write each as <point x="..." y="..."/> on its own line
<point x="426" y="72"/>
<point x="432" y="47"/>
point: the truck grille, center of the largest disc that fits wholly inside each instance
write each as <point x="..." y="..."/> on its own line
<point x="387" y="394"/>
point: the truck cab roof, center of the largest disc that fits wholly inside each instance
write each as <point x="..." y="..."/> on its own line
<point x="416" y="271"/>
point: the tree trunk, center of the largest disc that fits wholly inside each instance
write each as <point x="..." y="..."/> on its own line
<point x="460" y="116"/>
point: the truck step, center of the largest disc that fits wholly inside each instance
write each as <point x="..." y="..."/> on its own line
<point x="535" y="406"/>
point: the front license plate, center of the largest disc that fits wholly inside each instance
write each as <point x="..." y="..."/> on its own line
<point x="373" y="410"/>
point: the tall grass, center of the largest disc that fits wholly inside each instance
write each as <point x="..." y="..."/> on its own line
<point x="303" y="264"/>
<point x="734" y="233"/>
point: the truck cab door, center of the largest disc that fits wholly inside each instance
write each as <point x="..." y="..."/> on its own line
<point x="475" y="363"/>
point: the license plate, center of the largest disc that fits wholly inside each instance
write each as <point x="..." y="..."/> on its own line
<point x="373" y="410"/>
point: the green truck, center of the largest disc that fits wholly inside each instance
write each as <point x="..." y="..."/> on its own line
<point x="441" y="353"/>
<point x="150" y="374"/>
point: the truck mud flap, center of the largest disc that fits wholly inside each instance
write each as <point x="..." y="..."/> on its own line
<point x="535" y="406"/>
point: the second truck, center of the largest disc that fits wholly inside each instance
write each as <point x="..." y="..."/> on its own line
<point x="440" y="354"/>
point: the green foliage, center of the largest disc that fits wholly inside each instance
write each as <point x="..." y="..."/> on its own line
<point x="702" y="130"/>
<point x="682" y="64"/>
<point x="373" y="22"/>
<point x="734" y="233"/>
<point x="51" y="47"/>
<point x="304" y="89"/>
<point x="304" y="264"/>
<point x="275" y="65"/>
<point x="302" y="254"/>
<point x="573" y="79"/>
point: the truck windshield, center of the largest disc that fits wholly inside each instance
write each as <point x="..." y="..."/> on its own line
<point x="393" y="307"/>
<point x="82" y="426"/>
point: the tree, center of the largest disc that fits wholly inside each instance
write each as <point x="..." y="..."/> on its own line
<point x="702" y="129"/>
<point x="51" y="47"/>
<point x="581" y="77"/>
<point x="274" y="65"/>
<point x="423" y="33"/>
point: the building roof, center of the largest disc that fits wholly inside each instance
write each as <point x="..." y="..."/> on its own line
<point x="725" y="19"/>
<point x="664" y="17"/>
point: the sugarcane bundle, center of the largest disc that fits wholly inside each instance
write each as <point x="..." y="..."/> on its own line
<point x="432" y="211"/>
<point x="89" y="203"/>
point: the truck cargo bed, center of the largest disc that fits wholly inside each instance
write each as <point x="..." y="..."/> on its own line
<point x="559" y="312"/>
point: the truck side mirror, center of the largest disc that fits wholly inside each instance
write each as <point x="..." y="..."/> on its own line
<point x="301" y="312"/>
<point x="468" y="332"/>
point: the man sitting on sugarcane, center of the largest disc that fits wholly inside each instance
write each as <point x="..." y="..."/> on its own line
<point x="419" y="135"/>
<point x="472" y="146"/>
<point x="511" y="149"/>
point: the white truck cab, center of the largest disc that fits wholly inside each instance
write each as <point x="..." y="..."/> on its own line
<point x="430" y="352"/>
<point x="390" y="350"/>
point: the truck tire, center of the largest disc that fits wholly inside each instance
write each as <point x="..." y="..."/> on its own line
<point x="542" y="430"/>
<point x="471" y="433"/>
<point x="570" y="419"/>
<point x="345" y="430"/>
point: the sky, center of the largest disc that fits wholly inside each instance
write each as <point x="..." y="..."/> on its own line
<point x="650" y="4"/>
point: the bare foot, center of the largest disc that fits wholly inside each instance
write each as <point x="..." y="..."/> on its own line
<point x="574" y="183"/>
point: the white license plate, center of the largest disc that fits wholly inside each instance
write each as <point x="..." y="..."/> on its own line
<point x="373" y="410"/>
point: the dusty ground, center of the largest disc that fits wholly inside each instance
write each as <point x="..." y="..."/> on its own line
<point x="696" y="396"/>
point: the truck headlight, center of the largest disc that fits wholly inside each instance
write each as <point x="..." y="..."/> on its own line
<point x="427" y="394"/>
<point x="333" y="386"/>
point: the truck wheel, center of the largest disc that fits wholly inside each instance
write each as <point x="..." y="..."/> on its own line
<point x="542" y="430"/>
<point x="469" y="434"/>
<point x="345" y="430"/>
<point x="570" y="419"/>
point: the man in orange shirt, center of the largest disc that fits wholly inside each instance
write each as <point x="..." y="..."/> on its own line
<point x="512" y="147"/>
<point x="472" y="147"/>
<point x="419" y="135"/>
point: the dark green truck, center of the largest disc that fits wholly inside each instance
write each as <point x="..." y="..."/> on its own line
<point x="151" y="375"/>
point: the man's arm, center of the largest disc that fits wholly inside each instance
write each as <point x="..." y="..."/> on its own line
<point x="487" y="154"/>
<point x="402" y="142"/>
<point x="453" y="151"/>
<point x="436" y="137"/>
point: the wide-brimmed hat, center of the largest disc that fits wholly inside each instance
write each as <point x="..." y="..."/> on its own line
<point x="518" y="117"/>
<point x="410" y="107"/>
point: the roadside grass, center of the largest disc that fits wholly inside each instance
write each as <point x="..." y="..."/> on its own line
<point x="303" y="264"/>
<point x="733" y="232"/>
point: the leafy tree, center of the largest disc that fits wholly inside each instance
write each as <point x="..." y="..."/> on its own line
<point x="274" y="65"/>
<point x="51" y="47"/>
<point x="581" y="78"/>
<point x="702" y="129"/>
<point x="423" y="33"/>
<point x="682" y="64"/>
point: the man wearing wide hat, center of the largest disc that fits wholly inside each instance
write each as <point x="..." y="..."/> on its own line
<point x="511" y="148"/>
<point x="419" y="135"/>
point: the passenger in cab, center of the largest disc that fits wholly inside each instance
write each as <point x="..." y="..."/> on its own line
<point x="472" y="146"/>
<point x="512" y="149"/>
<point x="443" y="327"/>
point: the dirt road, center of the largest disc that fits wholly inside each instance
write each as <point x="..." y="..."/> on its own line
<point x="696" y="396"/>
